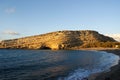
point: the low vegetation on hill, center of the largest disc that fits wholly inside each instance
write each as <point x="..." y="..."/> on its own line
<point x="100" y="45"/>
<point x="61" y="40"/>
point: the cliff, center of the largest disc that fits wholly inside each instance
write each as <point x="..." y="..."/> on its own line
<point x="56" y="40"/>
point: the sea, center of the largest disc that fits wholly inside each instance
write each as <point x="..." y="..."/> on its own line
<point x="53" y="64"/>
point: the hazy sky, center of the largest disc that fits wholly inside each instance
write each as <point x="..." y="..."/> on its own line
<point x="20" y="18"/>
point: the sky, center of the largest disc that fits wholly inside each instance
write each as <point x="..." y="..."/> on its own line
<point x="20" y="18"/>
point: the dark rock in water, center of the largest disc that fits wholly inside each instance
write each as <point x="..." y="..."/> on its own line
<point x="56" y="40"/>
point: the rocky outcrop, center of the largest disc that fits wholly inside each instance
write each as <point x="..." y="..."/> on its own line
<point x="56" y="40"/>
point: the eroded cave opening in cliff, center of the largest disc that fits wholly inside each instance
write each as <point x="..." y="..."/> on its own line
<point x="44" y="48"/>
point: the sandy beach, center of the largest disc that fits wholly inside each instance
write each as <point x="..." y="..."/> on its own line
<point x="114" y="74"/>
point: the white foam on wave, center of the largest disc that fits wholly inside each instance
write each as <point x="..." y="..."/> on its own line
<point x="79" y="74"/>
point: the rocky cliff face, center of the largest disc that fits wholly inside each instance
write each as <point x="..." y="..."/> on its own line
<point x="56" y="40"/>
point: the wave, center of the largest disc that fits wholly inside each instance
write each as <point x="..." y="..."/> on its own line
<point x="82" y="74"/>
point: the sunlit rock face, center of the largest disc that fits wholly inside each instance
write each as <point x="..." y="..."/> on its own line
<point x="56" y="40"/>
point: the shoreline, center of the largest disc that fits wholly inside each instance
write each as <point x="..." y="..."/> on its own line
<point x="113" y="74"/>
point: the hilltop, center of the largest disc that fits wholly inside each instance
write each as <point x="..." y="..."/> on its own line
<point x="57" y="40"/>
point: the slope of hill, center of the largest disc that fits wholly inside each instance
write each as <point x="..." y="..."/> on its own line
<point x="56" y="40"/>
<point x="114" y="36"/>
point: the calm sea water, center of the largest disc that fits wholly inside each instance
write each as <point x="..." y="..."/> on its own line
<point x="53" y="65"/>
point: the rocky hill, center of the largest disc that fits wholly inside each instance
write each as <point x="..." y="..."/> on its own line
<point x="56" y="40"/>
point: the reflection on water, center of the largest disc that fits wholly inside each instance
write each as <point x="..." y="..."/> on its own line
<point x="51" y="65"/>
